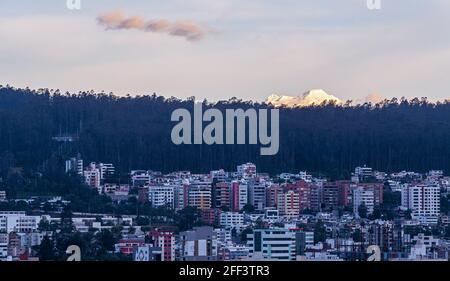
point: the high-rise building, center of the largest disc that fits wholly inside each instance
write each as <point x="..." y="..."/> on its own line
<point x="272" y="195"/>
<point x="289" y="203"/>
<point x="221" y="195"/>
<point x="424" y="202"/>
<point x="257" y="194"/>
<point x="272" y="244"/>
<point x="199" y="195"/>
<point x="384" y="235"/>
<point x="364" y="197"/>
<point x="330" y="195"/>
<point x="238" y="196"/>
<point x="181" y="196"/>
<point x="304" y="193"/>
<point x="161" y="196"/>
<point x="336" y="194"/>
<point x="316" y="197"/>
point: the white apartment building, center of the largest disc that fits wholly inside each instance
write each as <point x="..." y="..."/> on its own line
<point x="230" y="220"/>
<point x="424" y="202"/>
<point x="272" y="244"/>
<point x="18" y="222"/>
<point x="363" y="196"/>
<point x="160" y="196"/>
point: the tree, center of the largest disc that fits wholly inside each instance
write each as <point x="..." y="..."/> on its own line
<point x="188" y="218"/>
<point x="243" y="235"/>
<point x="44" y="225"/>
<point x="447" y="232"/>
<point x="46" y="250"/>
<point x="362" y="211"/>
<point x="105" y="241"/>
<point x="357" y="235"/>
<point x="259" y="224"/>
<point x="142" y="139"/>
<point x="248" y="208"/>
<point x="377" y="213"/>
<point x="320" y="232"/>
<point x="66" y="225"/>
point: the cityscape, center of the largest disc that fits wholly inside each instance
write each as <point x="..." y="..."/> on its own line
<point x="240" y="215"/>
<point x="251" y="140"/>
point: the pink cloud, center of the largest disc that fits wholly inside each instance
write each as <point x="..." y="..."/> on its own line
<point x="187" y="29"/>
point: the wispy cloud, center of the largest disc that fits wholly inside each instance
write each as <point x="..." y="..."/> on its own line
<point x="189" y="30"/>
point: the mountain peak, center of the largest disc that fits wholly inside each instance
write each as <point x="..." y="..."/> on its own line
<point x="312" y="97"/>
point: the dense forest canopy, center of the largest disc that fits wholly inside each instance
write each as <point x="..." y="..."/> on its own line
<point x="134" y="133"/>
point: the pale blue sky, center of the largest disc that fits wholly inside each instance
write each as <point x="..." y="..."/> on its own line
<point x="252" y="48"/>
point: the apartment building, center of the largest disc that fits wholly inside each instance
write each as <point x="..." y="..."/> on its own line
<point x="289" y="203"/>
<point x="364" y="197"/>
<point x="229" y="220"/>
<point x="271" y="244"/>
<point x="18" y="222"/>
<point x="238" y="196"/>
<point x="423" y="201"/>
<point x="199" y="195"/>
<point x="257" y="194"/>
<point x="161" y="196"/>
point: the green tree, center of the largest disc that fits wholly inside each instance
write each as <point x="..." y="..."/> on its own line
<point x="46" y="250"/>
<point x="243" y="235"/>
<point x="188" y="218"/>
<point x="248" y="208"/>
<point x="66" y="221"/>
<point x="362" y="211"/>
<point x="320" y="232"/>
<point x="357" y="235"/>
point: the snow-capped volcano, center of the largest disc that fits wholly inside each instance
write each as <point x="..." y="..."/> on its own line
<point x="313" y="97"/>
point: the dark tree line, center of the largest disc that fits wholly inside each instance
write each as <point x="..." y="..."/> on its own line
<point x="134" y="133"/>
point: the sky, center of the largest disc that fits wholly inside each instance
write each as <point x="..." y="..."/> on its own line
<point x="218" y="49"/>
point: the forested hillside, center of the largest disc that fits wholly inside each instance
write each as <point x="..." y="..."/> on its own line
<point x="134" y="133"/>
